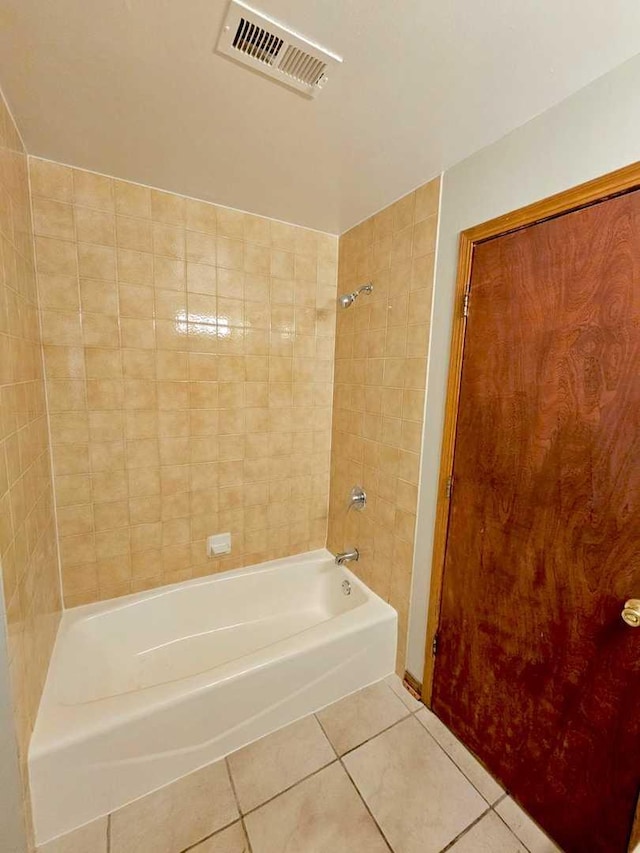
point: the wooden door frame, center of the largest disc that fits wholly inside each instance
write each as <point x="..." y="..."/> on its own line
<point x="634" y="841"/>
<point x="614" y="183"/>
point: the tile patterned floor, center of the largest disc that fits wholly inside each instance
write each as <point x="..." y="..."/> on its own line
<point x="375" y="772"/>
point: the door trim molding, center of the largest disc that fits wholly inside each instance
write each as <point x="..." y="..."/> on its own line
<point x="634" y="841"/>
<point x="597" y="190"/>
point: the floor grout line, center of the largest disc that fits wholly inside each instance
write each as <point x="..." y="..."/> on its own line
<point x="246" y="834"/>
<point x="336" y="760"/>
<point x="366" y="805"/>
<point x="289" y="787"/>
<point x="232" y="783"/>
<point x="339" y="759"/>
<point x="373" y="737"/>
<point x="212" y="835"/>
<point x="237" y="799"/>
<point x="511" y="830"/>
<point x="322" y="729"/>
<point x="466" y="829"/>
<point x="489" y="806"/>
<point x="239" y="819"/>
<point x="455" y="763"/>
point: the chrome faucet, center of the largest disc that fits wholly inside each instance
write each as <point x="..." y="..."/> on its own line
<point x="347" y="557"/>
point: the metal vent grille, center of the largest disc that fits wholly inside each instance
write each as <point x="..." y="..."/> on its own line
<point x="301" y="66"/>
<point x="255" y="40"/>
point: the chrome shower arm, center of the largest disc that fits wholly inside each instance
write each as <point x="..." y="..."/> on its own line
<point x="348" y="299"/>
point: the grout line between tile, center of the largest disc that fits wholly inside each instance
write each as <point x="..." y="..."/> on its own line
<point x="326" y="735"/>
<point x="322" y="729"/>
<point x="504" y="793"/>
<point x="510" y="828"/>
<point x="45" y="383"/>
<point x="532" y="820"/>
<point x="364" y="802"/>
<point x="213" y="835"/>
<point x="285" y="790"/>
<point x="382" y="731"/>
<point x="466" y="829"/>
<point x="175" y="192"/>
<point x="108" y="833"/>
<point x="246" y="835"/>
<point x="455" y="763"/>
<point x="233" y="784"/>
<point x="227" y="825"/>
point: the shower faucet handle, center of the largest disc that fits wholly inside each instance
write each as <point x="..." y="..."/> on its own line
<point x="358" y="498"/>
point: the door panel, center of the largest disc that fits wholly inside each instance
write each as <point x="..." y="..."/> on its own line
<point x="535" y="671"/>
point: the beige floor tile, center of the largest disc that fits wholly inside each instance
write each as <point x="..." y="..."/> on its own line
<point x="414" y="791"/>
<point x="273" y="763"/>
<point x="90" y="838"/>
<point x="525" y="828"/>
<point x="323" y="814"/>
<point x="460" y="755"/>
<point x="229" y="840"/>
<point x="358" y="717"/>
<point x="489" y="835"/>
<point x="395" y="683"/>
<point x="177" y="816"/>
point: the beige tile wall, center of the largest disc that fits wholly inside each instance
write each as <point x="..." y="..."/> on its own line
<point x="380" y="376"/>
<point x="189" y="362"/>
<point x="28" y="556"/>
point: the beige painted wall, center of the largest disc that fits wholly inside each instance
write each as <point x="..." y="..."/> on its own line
<point x="28" y="556"/>
<point x="189" y="362"/>
<point x="381" y="362"/>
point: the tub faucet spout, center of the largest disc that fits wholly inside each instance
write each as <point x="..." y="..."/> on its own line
<point x="347" y="557"/>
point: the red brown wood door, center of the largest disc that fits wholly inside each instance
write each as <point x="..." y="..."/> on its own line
<point x="536" y="671"/>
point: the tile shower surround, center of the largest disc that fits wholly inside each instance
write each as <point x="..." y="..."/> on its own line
<point x="189" y="354"/>
<point x="378" y="404"/>
<point x="28" y="557"/>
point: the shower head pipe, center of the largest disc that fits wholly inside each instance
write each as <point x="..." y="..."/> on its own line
<point x="348" y="299"/>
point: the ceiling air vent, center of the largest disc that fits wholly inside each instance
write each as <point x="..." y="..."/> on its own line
<point x="252" y="38"/>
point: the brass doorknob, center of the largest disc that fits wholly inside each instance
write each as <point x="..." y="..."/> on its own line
<point x="631" y="612"/>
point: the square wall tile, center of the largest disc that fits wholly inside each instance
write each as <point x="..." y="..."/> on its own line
<point x="30" y="567"/>
<point x="382" y="341"/>
<point x="185" y="313"/>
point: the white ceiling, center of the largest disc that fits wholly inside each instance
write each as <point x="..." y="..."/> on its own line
<point x="132" y="88"/>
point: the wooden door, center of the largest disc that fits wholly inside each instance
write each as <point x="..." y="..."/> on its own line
<point x="535" y="670"/>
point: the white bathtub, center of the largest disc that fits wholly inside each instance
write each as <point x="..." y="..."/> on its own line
<point x="147" y="688"/>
